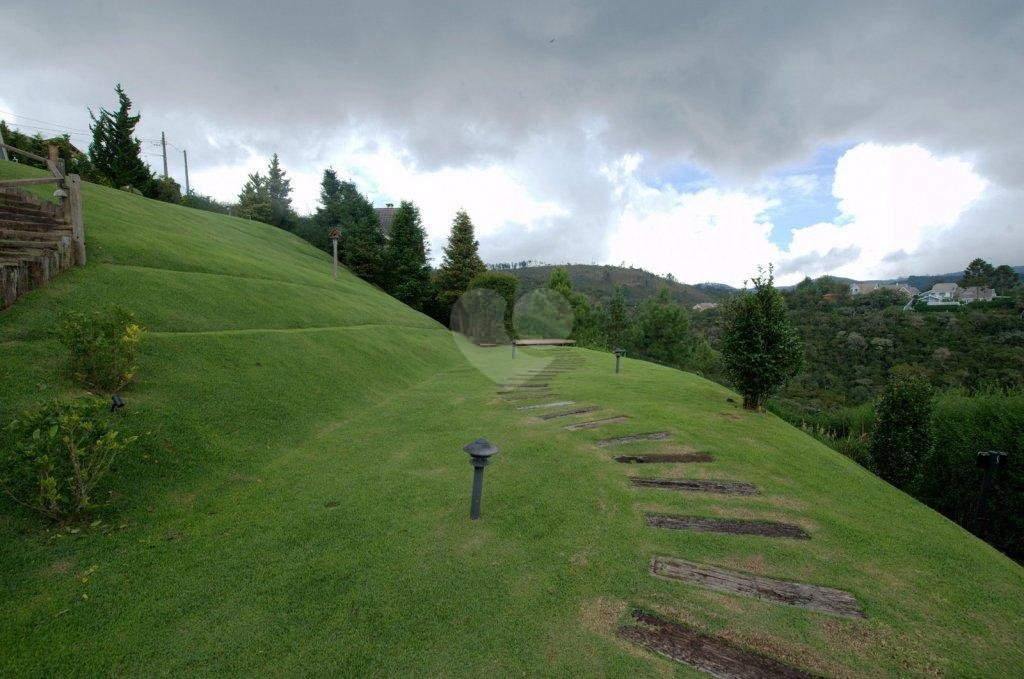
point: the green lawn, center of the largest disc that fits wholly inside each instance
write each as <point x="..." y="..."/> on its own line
<point x="269" y="390"/>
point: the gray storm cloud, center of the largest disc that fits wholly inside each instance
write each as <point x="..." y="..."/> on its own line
<point x="737" y="88"/>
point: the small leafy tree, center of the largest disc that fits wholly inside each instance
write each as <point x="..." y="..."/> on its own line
<point x="505" y="286"/>
<point x="760" y="349"/>
<point x="902" y="436"/>
<point x="461" y="264"/>
<point x="102" y="348"/>
<point x="54" y="457"/>
<point x="115" y="153"/>
<point x="618" y="322"/>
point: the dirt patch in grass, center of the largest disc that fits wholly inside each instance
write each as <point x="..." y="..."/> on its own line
<point x="768" y="529"/>
<point x="634" y="438"/>
<point x="812" y="597"/>
<point x="660" y="458"/>
<point x="697" y="485"/>
<point x="716" y="656"/>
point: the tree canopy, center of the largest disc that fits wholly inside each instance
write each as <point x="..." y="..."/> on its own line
<point x="115" y="152"/>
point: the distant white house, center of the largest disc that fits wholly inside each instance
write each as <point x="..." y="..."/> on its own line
<point x="947" y="294"/>
<point x="865" y="288"/>
<point x="704" y="306"/>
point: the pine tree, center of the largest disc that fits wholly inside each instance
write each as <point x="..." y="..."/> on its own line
<point x="254" y="200"/>
<point x="361" y="246"/>
<point x="408" y="274"/>
<point x="115" y="153"/>
<point x="279" y="188"/>
<point x="461" y="263"/>
<point x="760" y="348"/>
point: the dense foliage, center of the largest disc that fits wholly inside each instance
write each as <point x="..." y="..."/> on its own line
<point x="75" y="161"/>
<point x="505" y="287"/>
<point x="54" y="457"/>
<point x="760" y="348"/>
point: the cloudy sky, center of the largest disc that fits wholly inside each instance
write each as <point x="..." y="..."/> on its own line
<point x="700" y="139"/>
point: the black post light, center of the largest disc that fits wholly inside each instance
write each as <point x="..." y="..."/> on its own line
<point x="988" y="460"/>
<point x="116" y="402"/>
<point x="618" y="351"/>
<point x="480" y="452"/>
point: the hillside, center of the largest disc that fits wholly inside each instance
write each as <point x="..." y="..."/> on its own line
<point x="299" y="503"/>
<point x="598" y="282"/>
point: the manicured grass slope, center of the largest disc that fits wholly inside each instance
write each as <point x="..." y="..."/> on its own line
<point x="272" y="390"/>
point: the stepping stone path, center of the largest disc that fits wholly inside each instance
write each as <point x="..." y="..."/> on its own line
<point x="714" y="655"/>
<point x="697" y="485"/>
<point x="594" y="424"/>
<point x="811" y="597"/>
<point x="768" y="529"/>
<point x="717" y="657"/>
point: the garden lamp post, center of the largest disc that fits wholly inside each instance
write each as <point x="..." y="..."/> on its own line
<point x="618" y="351"/>
<point x="480" y="452"/>
<point x="334" y="235"/>
<point x="988" y="460"/>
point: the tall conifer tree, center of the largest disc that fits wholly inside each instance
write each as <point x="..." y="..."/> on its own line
<point x="279" y="189"/>
<point x="115" y="152"/>
<point x="461" y="263"/>
<point x="408" y="273"/>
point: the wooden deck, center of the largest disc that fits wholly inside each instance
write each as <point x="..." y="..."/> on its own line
<point x="544" y="342"/>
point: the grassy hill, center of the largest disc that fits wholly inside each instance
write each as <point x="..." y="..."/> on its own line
<point x="299" y="506"/>
<point x="598" y="282"/>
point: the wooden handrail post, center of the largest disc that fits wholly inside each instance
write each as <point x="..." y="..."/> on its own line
<point x="53" y="161"/>
<point x="3" y="149"/>
<point x="75" y="218"/>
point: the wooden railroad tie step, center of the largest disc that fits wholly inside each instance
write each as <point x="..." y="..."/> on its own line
<point x="768" y="529"/>
<point x="664" y="458"/>
<point x="634" y="438"/>
<point x="569" y="413"/>
<point x="718" y="657"/>
<point x="697" y="485"/>
<point x="542" y="406"/>
<point x="594" y="424"/>
<point x="801" y="595"/>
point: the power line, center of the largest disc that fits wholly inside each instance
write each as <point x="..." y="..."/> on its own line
<point x="44" y="122"/>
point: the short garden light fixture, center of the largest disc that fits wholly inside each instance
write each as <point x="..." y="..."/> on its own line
<point x="618" y="351"/>
<point x="116" y="402"/>
<point x="480" y="452"/>
<point x="988" y="460"/>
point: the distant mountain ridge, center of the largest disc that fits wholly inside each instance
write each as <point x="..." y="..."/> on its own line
<point x="598" y="282"/>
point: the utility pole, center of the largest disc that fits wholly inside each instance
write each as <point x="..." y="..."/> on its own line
<point x="187" y="189"/>
<point x="163" y="144"/>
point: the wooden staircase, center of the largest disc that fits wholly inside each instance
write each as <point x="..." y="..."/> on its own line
<point x="38" y="239"/>
<point x="35" y="244"/>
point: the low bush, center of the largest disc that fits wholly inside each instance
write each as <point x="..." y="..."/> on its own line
<point x="102" y="348"/>
<point x="54" y="457"/>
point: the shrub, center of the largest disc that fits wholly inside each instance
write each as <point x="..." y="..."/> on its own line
<point x="505" y="285"/>
<point x="902" y="437"/>
<point x="102" y="347"/>
<point x="55" y="456"/>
